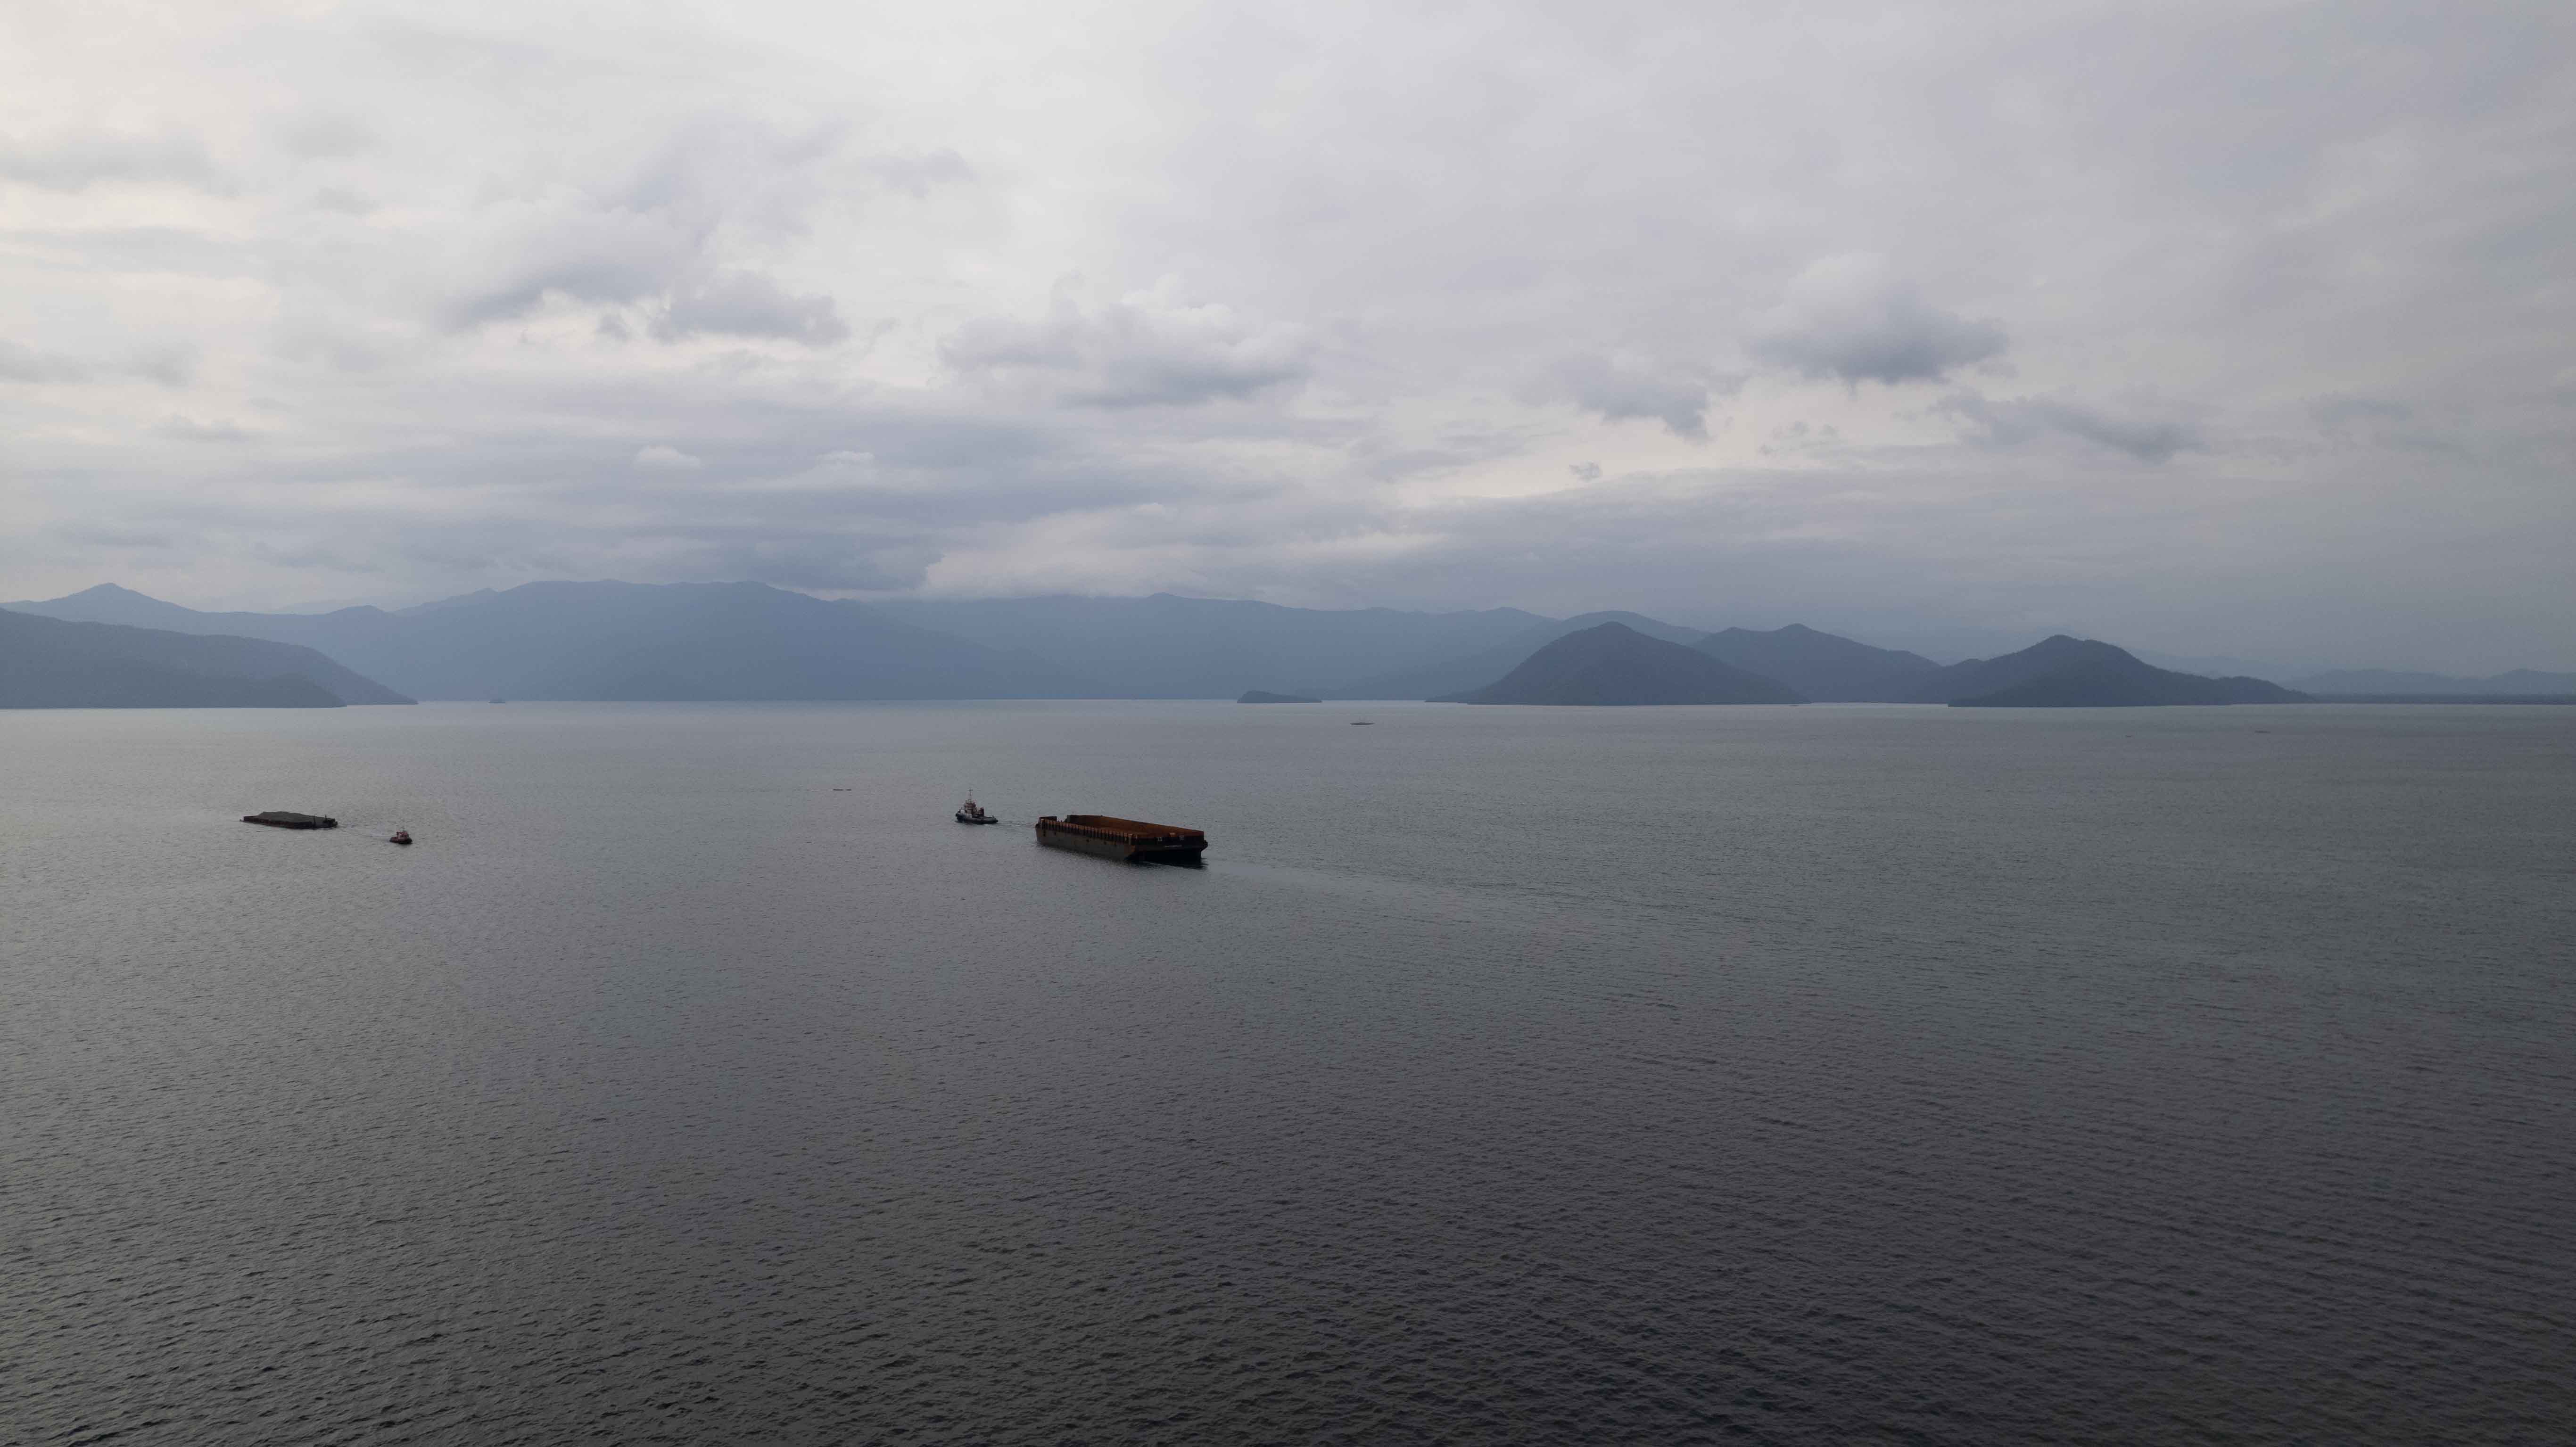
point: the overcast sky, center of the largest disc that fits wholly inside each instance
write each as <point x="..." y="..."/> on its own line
<point x="2229" y="328"/>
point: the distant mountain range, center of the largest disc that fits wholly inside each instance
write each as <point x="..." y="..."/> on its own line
<point x="1613" y="663"/>
<point x="2384" y="681"/>
<point x="745" y="641"/>
<point x="1167" y="646"/>
<point x="49" y="663"/>
<point x="626" y="642"/>
<point x="1821" y="666"/>
<point x="1448" y="673"/>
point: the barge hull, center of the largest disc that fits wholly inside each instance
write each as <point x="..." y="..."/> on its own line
<point x="288" y="819"/>
<point x="1126" y="840"/>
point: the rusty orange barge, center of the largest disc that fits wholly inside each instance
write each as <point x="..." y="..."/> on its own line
<point x="1111" y="837"/>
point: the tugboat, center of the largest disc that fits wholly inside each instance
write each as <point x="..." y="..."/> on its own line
<point x="973" y="813"/>
<point x="401" y="836"/>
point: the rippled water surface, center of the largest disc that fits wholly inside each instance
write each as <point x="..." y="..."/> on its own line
<point x="1835" y="1074"/>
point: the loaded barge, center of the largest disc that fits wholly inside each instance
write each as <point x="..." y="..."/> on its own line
<point x="288" y="819"/>
<point x="1111" y="837"/>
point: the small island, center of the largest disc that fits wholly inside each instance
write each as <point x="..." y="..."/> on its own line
<point x="1265" y="696"/>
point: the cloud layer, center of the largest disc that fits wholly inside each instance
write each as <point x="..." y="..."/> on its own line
<point x="1143" y="350"/>
<point x="1851" y="319"/>
<point x="2219" y="329"/>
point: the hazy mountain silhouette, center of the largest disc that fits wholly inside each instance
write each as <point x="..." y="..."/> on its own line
<point x="1167" y="646"/>
<point x="1464" y="673"/>
<point x="742" y="641"/>
<point x="642" y="642"/>
<point x="2064" y="672"/>
<point x="108" y="603"/>
<point x="1615" y="664"/>
<point x="344" y="635"/>
<point x="1258" y="695"/>
<point x="2385" y="681"/>
<point x="49" y="663"/>
<point x="1822" y="666"/>
<point x="637" y="642"/>
<point x="2217" y="665"/>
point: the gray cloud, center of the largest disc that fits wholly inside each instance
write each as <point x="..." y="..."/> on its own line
<point x="111" y="536"/>
<point x="621" y="259"/>
<point x="2377" y="422"/>
<point x="26" y="364"/>
<point x="2012" y="422"/>
<point x="1849" y="318"/>
<point x="656" y="235"/>
<point x="170" y="366"/>
<point x="1141" y="351"/>
<point x="326" y="135"/>
<point x="1802" y="438"/>
<point x="747" y="304"/>
<point x="2345" y="418"/>
<point x="190" y="429"/>
<point x="174" y="366"/>
<point x="1618" y="389"/>
<point x="826" y="563"/>
<point x="78" y="160"/>
<point x="586" y="255"/>
<point x="918" y="175"/>
<point x="1360" y="300"/>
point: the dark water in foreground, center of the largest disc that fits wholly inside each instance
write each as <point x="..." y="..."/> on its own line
<point x="1837" y="1074"/>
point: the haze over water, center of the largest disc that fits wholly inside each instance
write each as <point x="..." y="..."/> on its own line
<point x="1811" y="1075"/>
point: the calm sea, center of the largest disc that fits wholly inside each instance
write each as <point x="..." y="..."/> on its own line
<point x="1820" y="1075"/>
